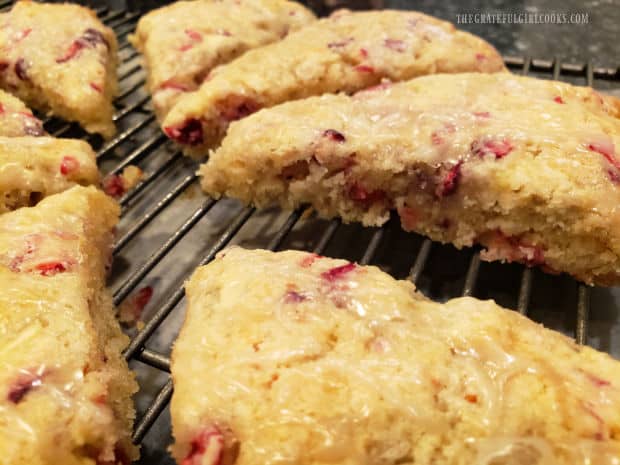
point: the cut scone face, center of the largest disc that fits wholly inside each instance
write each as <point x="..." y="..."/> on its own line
<point x="65" y="390"/>
<point x="59" y="58"/>
<point x="184" y="41"/>
<point x="343" y="53"/>
<point x="528" y="168"/>
<point x="304" y="359"/>
<point x="32" y="168"/>
<point x="16" y="119"/>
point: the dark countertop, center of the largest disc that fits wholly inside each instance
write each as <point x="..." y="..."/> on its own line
<point x="598" y="40"/>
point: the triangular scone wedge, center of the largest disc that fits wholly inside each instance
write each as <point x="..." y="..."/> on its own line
<point x="311" y="360"/>
<point x="34" y="167"/>
<point x="184" y="41"/>
<point x="65" y="389"/>
<point x="528" y="168"/>
<point x="343" y="53"/>
<point x="16" y="119"/>
<point x="59" y="58"/>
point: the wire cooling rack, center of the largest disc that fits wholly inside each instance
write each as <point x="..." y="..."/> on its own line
<point x="168" y="228"/>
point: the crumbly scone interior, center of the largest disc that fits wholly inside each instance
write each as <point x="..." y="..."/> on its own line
<point x="514" y="188"/>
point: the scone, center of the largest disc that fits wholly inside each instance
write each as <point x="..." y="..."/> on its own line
<point x="343" y="53"/>
<point x="309" y="360"/>
<point x="528" y="168"/>
<point x="184" y="41"/>
<point x="60" y="59"/>
<point x="16" y="119"/>
<point x="34" y="167"/>
<point x="65" y="390"/>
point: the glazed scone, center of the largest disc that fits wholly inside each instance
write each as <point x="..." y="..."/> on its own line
<point x="16" y="119"/>
<point x="60" y="59"/>
<point x="343" y="53"/>
<point x="32" y="168"/>
<point x="184" y="41"/>
<point x="528" y="168"/>
<point x="65" y="389"/>
<point x="302" y="359"/>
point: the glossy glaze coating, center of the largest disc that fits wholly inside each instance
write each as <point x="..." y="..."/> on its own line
<point x="291" y="358"/>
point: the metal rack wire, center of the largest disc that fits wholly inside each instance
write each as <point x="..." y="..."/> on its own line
<point x="162" y="189"/>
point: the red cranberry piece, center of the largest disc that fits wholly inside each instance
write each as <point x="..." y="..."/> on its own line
<point x="558" y="99"/>
<point x="96" y="87"/>
<point x="52" y="268"/>
<point x="515" y="249"/>
<point x="450" y="181"/>
<point x="235" y="107"/>
<point x="482" y="114"/>
<point x="68" y="165"/>
<point x="238" y="107"/>
<point x="74" y="49"/>
<point x="2" y="110"/>
<point x="338" y="272"/>
<point x="438" y="137"/>
<point x="598" y="382"/>
<point x="194" y="35"/>
<point x="364" y="69"/>
<point x="497" y="147"/>
<point x="607" y="149"/>
<point x="31" y="242"/>
<point x="334" y="135"/>
<point x="364" y="52"/>
<point x="132" y="309"/>
<point x="143" y="296"/>
<point x="113" y="185"/>
<point x="206" y="449"/>
<point x="93" y="37"/>
<point x="308" y="260"/>
<point x="294" y="297"/>
<point x="23" y="34"/>
<point x="600" y="435"/>
<point x="224" y="32"/>
<point x="25" y="383"/>
<point x="21" y="68"/>
<point x="188" y="133"/>
<point x="480" y="57"/>
<point x="4" y="65"/>
<point x="360" y="194"/>
<point x="170" y="84"/>
<point x="395" y="44"/>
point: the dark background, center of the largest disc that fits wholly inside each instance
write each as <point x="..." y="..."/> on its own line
<point x="598" y="40"/>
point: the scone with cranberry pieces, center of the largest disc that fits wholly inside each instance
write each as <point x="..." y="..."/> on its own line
<point x="32" y="168"/>
<point x="60" y="59"/>
<point x="527" y="168"/>
<point x="184" y="41"/>
<point x="309" y="360"/>
<point x="16" y="119"/>
<point x="343" y="53"/>
<point x="65" y="389"/>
